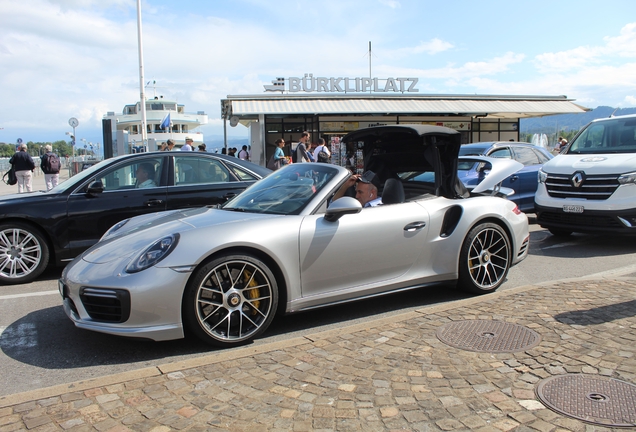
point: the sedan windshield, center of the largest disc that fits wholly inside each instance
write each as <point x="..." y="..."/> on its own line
<point x="286" y="191"/>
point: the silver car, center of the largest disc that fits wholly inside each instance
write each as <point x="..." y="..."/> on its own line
<point x="284" y="245"/>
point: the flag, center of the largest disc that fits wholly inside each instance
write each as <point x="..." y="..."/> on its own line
<point x="165" y="123"/>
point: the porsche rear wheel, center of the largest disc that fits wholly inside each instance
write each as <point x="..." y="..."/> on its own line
<point x="485" y="259"/>
<point x="230" y="300"/>
<point x="24" y="253"/>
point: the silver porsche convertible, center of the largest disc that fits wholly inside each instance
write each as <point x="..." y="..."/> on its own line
<point x="286" y="245"/>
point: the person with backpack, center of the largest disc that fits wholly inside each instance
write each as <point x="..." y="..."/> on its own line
<point x="23" y="166"/>
<point x="301" y="154"/>
<point x="51" y="165"/>
<point x="322" y="153"/>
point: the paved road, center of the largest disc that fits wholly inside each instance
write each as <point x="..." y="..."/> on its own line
<point x="407" y="372"/>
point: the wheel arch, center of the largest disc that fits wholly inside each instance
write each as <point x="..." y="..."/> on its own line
<point x="497" y="221"/>
<point x="44" y="233"/>
<point x="267" y="259"/>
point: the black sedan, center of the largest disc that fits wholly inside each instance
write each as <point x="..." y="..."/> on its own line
<point x="53" y="227"/>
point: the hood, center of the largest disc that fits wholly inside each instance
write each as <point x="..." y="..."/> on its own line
<point x="608" y="163"/>
<point x="141" y="231"/>
<point x="501" y="168"/>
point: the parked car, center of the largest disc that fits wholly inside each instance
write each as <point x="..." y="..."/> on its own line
<point x="524" y="182"/>
<point x="39" y="228"/>
<point x="590" y="187"/>
<point x="284" y="245"/>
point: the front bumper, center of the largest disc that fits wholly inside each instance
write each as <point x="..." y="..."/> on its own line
<point x="141" y="305"/>
<point x="620" y="222"/>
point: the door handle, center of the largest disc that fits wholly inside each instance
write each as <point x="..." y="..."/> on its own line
<point x="153" y="202"/>
<point x="414" y="226"/>
<point x="514" y="178"/>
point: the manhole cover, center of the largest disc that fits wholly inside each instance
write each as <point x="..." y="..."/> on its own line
<point x="590" y="398"/>
<point x="488" y="336"/>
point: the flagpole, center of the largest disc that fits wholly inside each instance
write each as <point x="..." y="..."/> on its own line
<point x="142" y="95"/>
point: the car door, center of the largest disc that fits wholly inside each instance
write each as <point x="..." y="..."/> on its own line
<point x="527" y="179"/>
<point x="198" y="181"/>
<point x="91" y="214"/>
<point x="375" y="246"/>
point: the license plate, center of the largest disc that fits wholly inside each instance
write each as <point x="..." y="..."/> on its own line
<point x="573" y="209"/>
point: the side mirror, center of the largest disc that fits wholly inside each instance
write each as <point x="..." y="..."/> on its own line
<point x="342" y="206"/>
<point x="95" y="188"/>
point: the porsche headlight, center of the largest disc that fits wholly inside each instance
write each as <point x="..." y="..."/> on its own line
<point x="153" y="254"/>
<point x="112" y="230"/>
<point x="627" y="178"/>
<point x="543" y="176"/>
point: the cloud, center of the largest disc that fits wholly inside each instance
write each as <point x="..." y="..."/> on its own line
<point x="393" y="4"/>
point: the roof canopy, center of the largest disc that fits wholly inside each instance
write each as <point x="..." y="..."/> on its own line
<point x="456" y="105"/>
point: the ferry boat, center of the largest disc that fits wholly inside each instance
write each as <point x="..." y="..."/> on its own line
<point x="165" y="119"/>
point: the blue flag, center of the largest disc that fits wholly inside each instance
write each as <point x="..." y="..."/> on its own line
<point x="165" y="123"/>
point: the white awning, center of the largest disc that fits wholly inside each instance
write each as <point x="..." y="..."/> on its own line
<point x="484" y="106"/>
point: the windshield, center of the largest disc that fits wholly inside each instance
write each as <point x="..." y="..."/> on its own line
<point x="610" y="136"/>
<point x="286" y="191"/>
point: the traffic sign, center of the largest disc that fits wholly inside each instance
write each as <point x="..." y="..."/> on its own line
<point x="19" y="140"/>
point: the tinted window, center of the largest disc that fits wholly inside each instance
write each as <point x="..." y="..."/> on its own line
<point x="198" y="170"/>
<point x="503" y="153"/>
<point x="542" y="158"/>
<point x="526" y="156"/>
<point x="132" y="174"/>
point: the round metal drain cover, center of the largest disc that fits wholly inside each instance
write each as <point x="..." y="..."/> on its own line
<point x="488" y="336"/>
<point x="590" y="398"/>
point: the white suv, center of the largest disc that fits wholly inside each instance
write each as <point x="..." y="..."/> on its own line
<point x="591" y="186"/>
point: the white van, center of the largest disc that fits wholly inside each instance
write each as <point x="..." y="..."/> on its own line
<point x="591" y="186"/>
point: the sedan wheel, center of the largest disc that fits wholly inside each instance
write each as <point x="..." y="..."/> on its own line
<point x="230" y="300"/>
<point x="485" y="259"/>
<point x="24" y="254"/>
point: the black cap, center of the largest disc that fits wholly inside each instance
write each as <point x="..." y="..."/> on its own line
<point x="370" y="177"/>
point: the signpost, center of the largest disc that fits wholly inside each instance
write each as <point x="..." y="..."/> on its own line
<point x="73" y="122"/>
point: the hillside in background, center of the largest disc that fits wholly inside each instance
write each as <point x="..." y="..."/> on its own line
<point x="569" y="122"/>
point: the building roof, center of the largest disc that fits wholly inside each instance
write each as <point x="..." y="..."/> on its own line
<point x="462" y="105"/>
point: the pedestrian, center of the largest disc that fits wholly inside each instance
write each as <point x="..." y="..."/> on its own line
<point x="243" y="154"/>
<point x="302" y="155"/>
<point x="231" y="151"/>
<point x="202" y="147"/>
<point x="164" y="146"/>
<point x="23" y="166"/>
<point x="188" y="144"/>
<point x="50" y="164"/>
<point x="321" y="152"/>
<point x="169" y="146"/>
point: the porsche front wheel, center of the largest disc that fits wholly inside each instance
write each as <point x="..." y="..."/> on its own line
<point x="485" y="259"/>
<point x="230" y="300"/>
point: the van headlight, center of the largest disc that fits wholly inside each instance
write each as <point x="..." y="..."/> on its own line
<point x="543" y="176"/>
<point x="627" y="178"/>
<point x="153" y="254"/>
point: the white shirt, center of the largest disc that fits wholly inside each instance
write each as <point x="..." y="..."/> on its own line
<point x="319" y="149"/>
<point x="186" y="147"/>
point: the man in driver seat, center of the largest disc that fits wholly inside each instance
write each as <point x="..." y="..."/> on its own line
<point x="366" y="186"/>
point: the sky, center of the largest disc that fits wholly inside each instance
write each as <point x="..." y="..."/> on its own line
<point x="79" y="58"/>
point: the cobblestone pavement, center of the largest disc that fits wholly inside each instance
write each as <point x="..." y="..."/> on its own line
<point x="390" y="374"/>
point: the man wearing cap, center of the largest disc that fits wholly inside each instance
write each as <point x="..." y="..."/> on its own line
<point x="188" y="145"/>
<point x="366" y="185"/>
